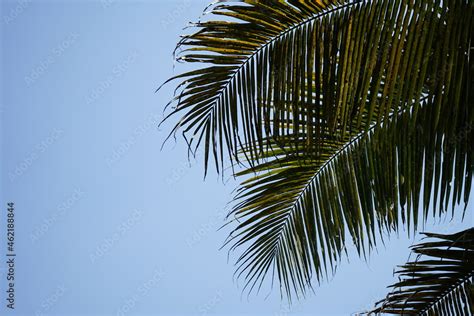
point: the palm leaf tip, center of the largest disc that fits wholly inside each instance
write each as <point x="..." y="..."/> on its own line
<point x="439" y="282"/>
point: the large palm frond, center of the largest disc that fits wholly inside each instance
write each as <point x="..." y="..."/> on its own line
<point x="296" y="213"/>
<point x="439" y="282"/>
<point x="348" y="111"/>
<point x="355" y="62"/>
<point x="249" y="54"/>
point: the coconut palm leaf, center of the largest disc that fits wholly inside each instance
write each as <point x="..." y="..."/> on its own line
<point x="439" y="282"/>
<point x="306" y="209"/>
<point x="367" y="58"/>
<point x="352" y="114"/>
<point x="296" y="215"/>
<point x="248" y="52"/>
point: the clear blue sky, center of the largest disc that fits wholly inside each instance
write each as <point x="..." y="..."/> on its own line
<point x="107" y="224"/>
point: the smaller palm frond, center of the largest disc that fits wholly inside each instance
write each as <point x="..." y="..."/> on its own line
<point x="438" y="283"/>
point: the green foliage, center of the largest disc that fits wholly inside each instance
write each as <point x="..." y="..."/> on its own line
<point x="346" y="119"/>
<point x="439" y="282"/>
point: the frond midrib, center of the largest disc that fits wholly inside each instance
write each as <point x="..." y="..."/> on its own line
<point x="442" y="296"/>
<point x="352" y="141"/>
<point x="275" y="38"/>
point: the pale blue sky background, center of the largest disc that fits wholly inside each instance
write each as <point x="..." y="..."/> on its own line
<point x="106" y="223"/>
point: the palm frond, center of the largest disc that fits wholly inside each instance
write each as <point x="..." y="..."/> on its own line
<point x="366" y="59"/>
<point x="303" y="208"/>
<point x="439" y="282"/>
<point x="352" y="113"/>
<point x="307" y="202"/>
<point x="247" y="53"/>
